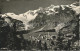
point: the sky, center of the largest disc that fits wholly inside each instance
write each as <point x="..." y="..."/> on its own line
<point x="21" y="6"/>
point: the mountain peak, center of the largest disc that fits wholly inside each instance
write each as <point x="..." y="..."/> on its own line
<point x="31" y="15"/>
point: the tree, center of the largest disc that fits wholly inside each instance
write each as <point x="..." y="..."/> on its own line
<point x="39" y="45"/>
<point x="45" y="46"/>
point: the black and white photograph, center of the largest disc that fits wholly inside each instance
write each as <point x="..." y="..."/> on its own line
<point x="40" y="25"/>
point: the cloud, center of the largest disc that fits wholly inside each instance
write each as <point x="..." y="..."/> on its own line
<point x="8" y="0"/>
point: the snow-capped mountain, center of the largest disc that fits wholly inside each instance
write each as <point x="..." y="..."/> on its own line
<point x="43" y="16"/>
